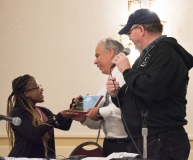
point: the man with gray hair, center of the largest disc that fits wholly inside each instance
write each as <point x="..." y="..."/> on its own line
<point x="115" y="135"/>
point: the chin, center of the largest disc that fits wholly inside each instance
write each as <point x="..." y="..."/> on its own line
<point x="105" y="72"/>
<point x="41" y="101"/>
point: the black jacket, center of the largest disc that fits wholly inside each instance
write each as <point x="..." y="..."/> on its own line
<point x="157" y="83"/>
<point x="28" y="142"/>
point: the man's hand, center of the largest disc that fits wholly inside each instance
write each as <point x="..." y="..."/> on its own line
<point x="92" y="113"/>
<point x="121" y="62"/>
<point x="112" y="86"/>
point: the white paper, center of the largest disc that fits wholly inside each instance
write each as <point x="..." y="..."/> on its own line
<point x="95" y="158"/>
<point x="22" y="158"/>
<point x="121" y="154"/>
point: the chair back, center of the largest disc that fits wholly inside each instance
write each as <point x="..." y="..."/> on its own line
<point x="97" y="151"/>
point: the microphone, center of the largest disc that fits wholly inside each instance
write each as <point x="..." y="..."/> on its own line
<point x="126" y="51"/>
<point x="144" y="133"/>
<point x="2" y="158"/>
<point x="16" y="120"/>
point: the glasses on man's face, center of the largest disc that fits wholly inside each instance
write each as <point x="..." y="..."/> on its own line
<point x="35" y="88"/>
<point x="129" y="33"/>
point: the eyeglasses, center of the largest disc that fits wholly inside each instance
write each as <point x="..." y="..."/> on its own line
<point x="129" y="33"/>
<point x="38" y="88"/>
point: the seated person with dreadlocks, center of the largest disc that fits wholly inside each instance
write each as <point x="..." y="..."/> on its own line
<point x="34" y="137"/>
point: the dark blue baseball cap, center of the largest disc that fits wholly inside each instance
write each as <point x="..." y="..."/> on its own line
<point x="140" y="16"/>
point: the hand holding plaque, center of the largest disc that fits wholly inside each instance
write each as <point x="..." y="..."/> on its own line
<point x="86" y="102"/>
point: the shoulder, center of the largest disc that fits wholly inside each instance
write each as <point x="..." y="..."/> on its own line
<point x="17" y="111"/>
<point x="168" y="44"/>
<point x="165" y="51"/>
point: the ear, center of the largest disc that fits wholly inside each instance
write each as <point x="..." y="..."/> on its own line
<point x="26" y="94"/>
<point x="111" y="53"/>
<point x="141" y="27"/>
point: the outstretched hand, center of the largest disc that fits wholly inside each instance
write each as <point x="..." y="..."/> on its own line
<point x="68" y="113"/>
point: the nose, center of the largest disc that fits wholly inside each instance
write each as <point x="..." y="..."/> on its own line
<point x="95" y="61"/>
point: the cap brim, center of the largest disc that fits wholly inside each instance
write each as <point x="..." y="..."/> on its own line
<point x="125" y="29"/>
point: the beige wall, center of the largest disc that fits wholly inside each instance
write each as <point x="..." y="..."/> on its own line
<point x="55" y="42"/>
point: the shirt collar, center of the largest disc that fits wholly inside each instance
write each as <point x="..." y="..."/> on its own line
<point x="153" y="43"/>
<point x="115" y="71"/>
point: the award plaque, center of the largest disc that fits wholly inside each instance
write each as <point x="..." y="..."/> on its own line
<point x="86" y="102"/>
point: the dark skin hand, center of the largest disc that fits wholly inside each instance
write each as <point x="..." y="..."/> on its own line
<point x="74" y="101"/>
<point x="79" y="117"/>
<point x="91" y="113"/>
<point x="68" y="113"/>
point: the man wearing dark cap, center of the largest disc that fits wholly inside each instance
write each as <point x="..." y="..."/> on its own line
<point x="156" y="86"/>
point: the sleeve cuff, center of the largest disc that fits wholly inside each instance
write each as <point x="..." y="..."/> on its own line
<point x="85" y="122"/>
<point x="125" y="71"/>
<point x="59" y="117"/>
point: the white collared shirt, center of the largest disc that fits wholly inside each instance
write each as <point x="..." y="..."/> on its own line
<point x="113" y="125"/>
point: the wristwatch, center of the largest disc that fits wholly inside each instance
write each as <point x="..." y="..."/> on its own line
<point x="99" y="115"/>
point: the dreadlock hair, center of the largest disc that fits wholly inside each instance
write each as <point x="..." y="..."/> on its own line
<point x="18" y="99"/>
